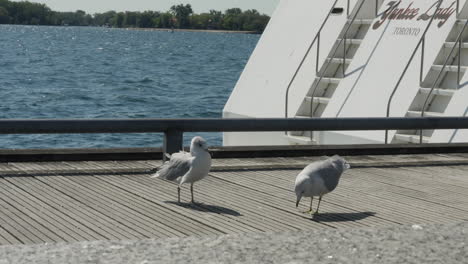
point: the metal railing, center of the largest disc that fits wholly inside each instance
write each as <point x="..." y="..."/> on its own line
<point x="316" y="38"/>
<point x="421" y="43"/>
<point x="317" y="83"/>
<point x="436" y="81"/>
<point x="174" y="129"/>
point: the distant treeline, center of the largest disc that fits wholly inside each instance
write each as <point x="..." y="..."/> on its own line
<point x="179" y="16"/>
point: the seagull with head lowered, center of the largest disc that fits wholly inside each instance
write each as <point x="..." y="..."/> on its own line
<point x="319" y="178"/>
<point x="186" y="167"/>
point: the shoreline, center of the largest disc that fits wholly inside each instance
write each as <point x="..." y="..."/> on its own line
<point x="155" y="29"/>
<point x="194" y="30"/>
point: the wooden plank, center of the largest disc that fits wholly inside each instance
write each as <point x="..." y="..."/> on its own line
<point x="147" y="181"/>
<point x="62" y="220"/>
<point x="171" y="223"/>
<point x="17" y="222"/>
<point x="354" y="197"/>
<point x="7" y="238"/>
<point x="171" y="192"/>
<point x="112" y="183"/>
<point x="98" y="223"/>
<point x="39" y="212"/>
<point x="126" y="218"/>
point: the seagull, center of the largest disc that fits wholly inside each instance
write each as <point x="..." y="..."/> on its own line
<point x="184" y="167"/>
<point x="319" y="178"/>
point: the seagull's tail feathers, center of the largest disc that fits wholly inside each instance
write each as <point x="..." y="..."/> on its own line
<point x="162" y="172"/>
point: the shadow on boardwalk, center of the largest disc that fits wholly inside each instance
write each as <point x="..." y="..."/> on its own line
<point x="206" y="208"/>
<point x="341" y="217"/>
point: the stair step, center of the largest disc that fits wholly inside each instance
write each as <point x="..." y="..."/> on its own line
<point x="438" y="91"/>
<point x="351" y="41"/>
<point x="449" y="68"/>
<point x="339" y="60"/>
<point x="318" y="100"/>
<point x="329" y="80"/>
<point x="300" y="139"/>
<point x="359" y="21"/>
<point x="411" y="138"/>
<point x="426" y="114"/>
<point x="461" y="21"/>
<point x="452" y="44"/>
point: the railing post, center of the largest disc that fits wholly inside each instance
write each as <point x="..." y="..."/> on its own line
<point x="422" y="61"/>
<point x="347" y="9"/>
<point x="318" y="54"/>
<point x="459" y="62"/>
<point x="173" y="142"/>
<point x="458" y="7"/>
<point x="376" y="8"/>
<point x="344" y="56"/>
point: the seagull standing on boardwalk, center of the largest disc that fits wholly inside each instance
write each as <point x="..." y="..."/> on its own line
<point x="186" y="167"/>
<point x="319" y="178"/>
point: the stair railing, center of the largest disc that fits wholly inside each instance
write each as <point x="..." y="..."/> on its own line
<point x="316" y="39"/>
<point x="436" y="81"/>
<point x="329" y="59"/>
<point x="421" y="43"/>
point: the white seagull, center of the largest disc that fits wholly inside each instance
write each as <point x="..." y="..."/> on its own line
<point x="186" y="167"/>
<point x="319" y="178"/>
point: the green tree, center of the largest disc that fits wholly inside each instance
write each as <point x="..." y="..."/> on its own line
<point x="104" y="19"/>
<point x="131" y="19"/>
<point x="232" y="19"/>
<point x="216" y="19"/>
<point x="147" y="19"/>
<point x="119" y="20"/>
<point x="182" y="14"/>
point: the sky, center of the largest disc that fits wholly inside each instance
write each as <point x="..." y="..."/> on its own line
<point x="198" y="6"/>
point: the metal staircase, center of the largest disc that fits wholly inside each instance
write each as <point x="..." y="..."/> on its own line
<point x="333" y="70"/>
<point x="440" y="84"/>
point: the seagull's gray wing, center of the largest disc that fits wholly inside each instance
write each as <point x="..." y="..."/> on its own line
<point x="179" y="164"/>
<point x="327" y="171"/>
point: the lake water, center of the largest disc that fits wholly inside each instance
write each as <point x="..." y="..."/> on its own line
<point x="73" y="72"/>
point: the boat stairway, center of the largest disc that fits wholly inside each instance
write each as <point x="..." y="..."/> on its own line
<point x="329" y="76"/>
<point x="440" y="85"/>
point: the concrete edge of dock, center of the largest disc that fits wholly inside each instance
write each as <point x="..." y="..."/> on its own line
<point x="400" y="244"/>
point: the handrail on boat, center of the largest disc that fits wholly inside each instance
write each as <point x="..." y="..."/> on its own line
<point x="459" y="41"/>
<point x="314" y="89"/>
<point x="421" y="43"/>
<point x="316" y="38"/>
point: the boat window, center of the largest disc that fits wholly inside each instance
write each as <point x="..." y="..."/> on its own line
<point x="337" y="11"/>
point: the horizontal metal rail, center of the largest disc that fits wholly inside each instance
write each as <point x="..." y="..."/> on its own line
<point x="86" y="126"/>
<point x="174" y="128"/>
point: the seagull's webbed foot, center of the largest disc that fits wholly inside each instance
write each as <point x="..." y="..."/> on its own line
<point x="178" y="194"/>
<point x="191" y="192"/>
<point x="310" y="211"/>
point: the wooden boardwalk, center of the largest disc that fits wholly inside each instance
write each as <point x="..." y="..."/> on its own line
<point x="81" y="201"/>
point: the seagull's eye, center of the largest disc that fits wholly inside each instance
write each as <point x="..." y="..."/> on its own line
<point x="201" y="145"/>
